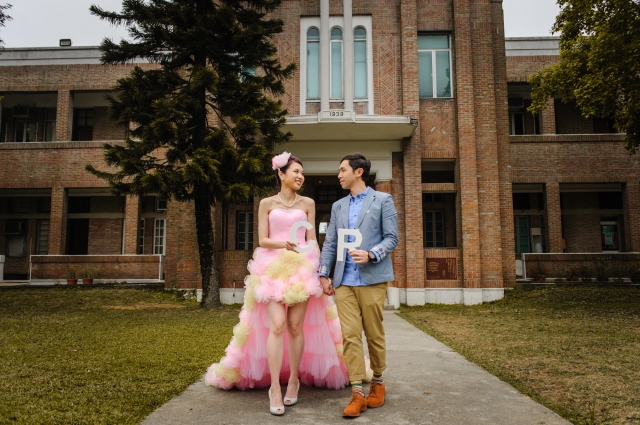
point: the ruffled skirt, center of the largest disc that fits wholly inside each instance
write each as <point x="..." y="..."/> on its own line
<point x="290" y="278"/>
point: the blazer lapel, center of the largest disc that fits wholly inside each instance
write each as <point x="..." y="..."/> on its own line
<point x="365" y="206"/>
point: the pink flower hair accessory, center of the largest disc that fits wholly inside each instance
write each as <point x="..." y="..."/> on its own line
<point x="280" y="161"/>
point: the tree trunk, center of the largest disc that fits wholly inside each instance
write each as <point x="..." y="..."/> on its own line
<point x="208" y="266"/>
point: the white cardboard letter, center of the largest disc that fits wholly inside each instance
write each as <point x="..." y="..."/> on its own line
<point x="294" y="237"/>
<point x="343" y="244"/>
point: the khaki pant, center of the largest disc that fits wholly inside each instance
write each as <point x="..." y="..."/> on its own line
<point x="360" y="307"/>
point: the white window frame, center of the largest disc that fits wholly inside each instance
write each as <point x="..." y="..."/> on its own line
<point x="434" y="79"/>
<point x="248" y="240"/>
<point x="307" y="22"/>
<point x="141" y="225"/>
<point x="331" y="42"/>
<point x="159" y="249"/>
<point x="366" y="41"/>
<point x="24" y="132"/>
<point x="42" y="236"/>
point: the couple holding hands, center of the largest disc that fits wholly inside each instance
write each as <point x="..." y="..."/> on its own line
<point x="290" y="329"/>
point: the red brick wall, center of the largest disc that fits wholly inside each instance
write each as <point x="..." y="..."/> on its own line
<point x="41" y="165"/>
<point x="105" y="236"/>
<point x="520" y="68"/>
<point x="569" y="120"/>
<point x="567" y="159"/>
<point x="104" y="128"/>
<point x="557" y="265"/>
<point x="64" y="77"/>
<point x="107" y="267"/>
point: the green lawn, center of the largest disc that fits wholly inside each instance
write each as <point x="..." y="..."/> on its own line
<point x="575" y="350"/>
<point x="92" y="356"/>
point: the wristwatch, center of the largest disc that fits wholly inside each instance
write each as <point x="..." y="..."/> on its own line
<point x="372" y="256"/>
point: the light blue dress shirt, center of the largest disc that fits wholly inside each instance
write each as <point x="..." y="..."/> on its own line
<point x="351" y="276"/>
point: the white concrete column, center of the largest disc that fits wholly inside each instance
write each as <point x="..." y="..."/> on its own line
<point x="325" y="41"/>
<point x="347" y="60"/>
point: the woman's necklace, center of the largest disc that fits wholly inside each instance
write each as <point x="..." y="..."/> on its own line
<point x="288" y="206"/>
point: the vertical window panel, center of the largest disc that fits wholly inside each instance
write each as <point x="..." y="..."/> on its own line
<point x="443" y="74"/>
<point x="159" y="236"/>
<point x="244" y="231"/>
<point x="313" y="64"/>
<point x="425" y="73"/>
<point x="360" y="63"/>
<point x="336" y="63"/>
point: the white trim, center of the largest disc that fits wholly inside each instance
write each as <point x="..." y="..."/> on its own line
<point x="449" y="296"/>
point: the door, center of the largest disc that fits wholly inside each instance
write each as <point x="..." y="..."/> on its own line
<point x="78" y="236"/>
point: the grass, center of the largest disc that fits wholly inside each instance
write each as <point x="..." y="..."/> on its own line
<point x="575" y="350"/>
<point x="101" y="356"/>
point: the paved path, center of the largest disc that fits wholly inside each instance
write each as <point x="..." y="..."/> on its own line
<point x="427" y="384"/>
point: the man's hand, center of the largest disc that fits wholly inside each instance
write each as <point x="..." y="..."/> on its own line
<point x="327" y="287"/>
<point x="359" y="256"/>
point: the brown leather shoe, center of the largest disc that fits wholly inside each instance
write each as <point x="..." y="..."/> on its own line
<point x="357" y="404"/>
<point x="376" y="395"/>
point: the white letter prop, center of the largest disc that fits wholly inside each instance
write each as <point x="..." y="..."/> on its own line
<point x="294" y="237"/>
<point x="343" y="244"/>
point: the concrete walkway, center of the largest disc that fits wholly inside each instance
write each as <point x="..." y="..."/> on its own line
<point x="427" y="383"/>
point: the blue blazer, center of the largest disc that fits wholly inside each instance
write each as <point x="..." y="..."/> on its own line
<point x="378" y="224"/>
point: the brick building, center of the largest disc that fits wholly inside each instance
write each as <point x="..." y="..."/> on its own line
<point x="429" y="90"/>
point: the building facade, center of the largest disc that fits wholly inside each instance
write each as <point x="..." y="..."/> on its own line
<point x="429" y="90"/>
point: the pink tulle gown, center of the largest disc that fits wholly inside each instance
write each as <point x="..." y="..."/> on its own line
<point x="287" y="277"/>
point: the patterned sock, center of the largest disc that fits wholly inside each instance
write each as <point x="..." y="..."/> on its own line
<point x="356" y="387"/>
<point x="377" y="378"/>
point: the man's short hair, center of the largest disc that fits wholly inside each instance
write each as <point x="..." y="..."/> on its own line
<point x="357" y="160"/>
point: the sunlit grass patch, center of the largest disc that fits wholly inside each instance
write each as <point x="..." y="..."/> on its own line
<point x="78" y="355"/>
<point x="576" y="350"/>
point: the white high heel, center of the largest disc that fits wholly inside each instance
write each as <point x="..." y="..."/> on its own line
<point x="278" y="410"/>
<point x="291" y="401"/>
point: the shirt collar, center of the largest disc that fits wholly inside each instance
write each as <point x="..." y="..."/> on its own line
<point x="359" y="196"/>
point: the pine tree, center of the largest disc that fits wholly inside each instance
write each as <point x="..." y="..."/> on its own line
<point x="4" y="18"/>
<point x="205" y="121"/>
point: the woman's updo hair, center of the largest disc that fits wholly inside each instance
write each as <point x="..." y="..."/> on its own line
<point x="284" y="169"/>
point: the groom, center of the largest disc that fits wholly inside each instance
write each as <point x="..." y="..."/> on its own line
<point x="360" y="281"/>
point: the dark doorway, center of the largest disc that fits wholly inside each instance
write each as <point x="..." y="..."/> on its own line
<point x="78" y="236"/>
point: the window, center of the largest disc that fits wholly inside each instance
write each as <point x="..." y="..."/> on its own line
<point x="609" y="234"/>
<point x="313" y="63"/>
<point x="244" y="235"/>
<point x="434" y="229"/>
<point x="159" y="239"/>
<point x="25" y="131"/>
<point x="360" y="63"/>
<point x="328" y="194"/>
<point x="434" y="66"/>
<point x="336" y="63"/>
<point x="20" y="205"/>
<point x="83" y="120"/>
<point x="432" y="197"/>
<point x="49" y="134"/>
<point x="610" y="200"/>
<point x="15" y="232"/>
<point x="522" y="234"/>
<point x="42" y="243"/>
<point x="141" y="237"/>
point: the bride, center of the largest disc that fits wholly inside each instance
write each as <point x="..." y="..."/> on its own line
<point x="289" y="330"/>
